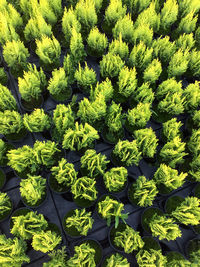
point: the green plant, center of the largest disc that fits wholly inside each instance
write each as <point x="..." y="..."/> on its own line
<point x="143" y="33"/>
<point x="70" y="67"/>
<point x="172" y="104"/>
<point x="151" y="257"/>
<point x="77" y="47"/>
<point x="22" y="159"/>
<point x="168" y="15"/>
<point x="113" y="13"/>
<point x="5" y="205"/>
<point x="104" y="88"/>
<point x="173" y="152"/>
<point x="11" y="122"/>
<point x="64" y="173"/>
<point x="46" y="241"/>
<point x="86" y="15"/>
<point x="124" y="26"/>
<point x="164" y="228"/>
<point x="115" y="179"/>
<point x="82" y="136"/>
<point x="169" y="86"/>
<point x="63" y="119"/>
<point x="58" y="258"/>
<point x="116" y="260"/>
<point x="49" y="51"/>
<point x="85" y="77"/>
<point x="46" y="152"/>
<point x="194" y="168"/>
<point x="171" y="129"/>
<point x="32" y="84"/>
<point x="140" y="56"/>
<point x="127" y="153"/>
<point x="138" y="117"/>
<point x="186" y="6"/>
<point x="127" y="82"/>
<point x="118" y="47"/>
<point x="147" y="141"/>
<point x="37" y="121"/>
<point x="92" y="112"/>
<point x="193" y="144"/>
<point x="192" y="96"/>
<point x="94" y="164"/>
<point x="84" y="188"/>
<point x="169" y="178"/>
<point x="194" y="63"/>
<point x="69" y="21"/>
<point x="3" y="77"/>
<point x="12" y="252"/>
<point x="59" y="86"/>
<point x="178" y="63"/>
<point x="188" y="211"/>
<point x="7" y="100"/>
<point x="163" y="48"/>
<point x="197" y="37"/>
<point x="149" y="17"/>
<point x="110" y="65"/>
<point x="196" y="118"/>
<point x="15" y="55"/>
<point x="26" y="226"/>
<point x="128" y="239"/>
<point x="97" y="42"/>
<point x="185" y="41"/>
<point x="84" y="256"/>
<point x="114" y="123"/>
<point x="137" y="6"/>
<point x="143" y="94"/>
<point x="188" y="23"/>
<point x="81" y="220"/>
<point x="33" y="189"/>
<point x="36" y="28"/>
<point x="152" y="72"/>
<point x="175" y="259"/>
<point x="143" y="192"/>
<point x="7" y="31"/>
<point x="4" y="148"/>
<point x="111" y="209"/>
<point x="51" y="10"/>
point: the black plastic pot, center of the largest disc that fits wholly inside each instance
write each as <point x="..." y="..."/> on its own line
<point x="16" y="137"/>
<point x="34" y="103"/>
<point x="121" y="227"/>
<point x="147" y="216"/>
<point x="192" y="246"/>
<point x="150" y="243"/>
<point x="60" y="99"/>
<point x="4" y="161"/>
<point x="117" y="136"/>
<point x="172" y="203"/>
<point x="83" y="203"/>
<point x="104" y="264"/>
<point x="56" y="187"/>
<point x="174" y="255"/>
<point x="2" y="179"/>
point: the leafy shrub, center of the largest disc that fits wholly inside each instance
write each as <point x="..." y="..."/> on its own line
<point x="110" y="65"/>
<point x="33" y="189"/>
<point x="64" y="173"/>
<point x="168" y="177"/>
<point x="4" y="148"/>
<point x="143" y="191"/>
<point x="197" y="37"/>
<point x="115" y="179"/>
<point x="84" y="255"/>
<point x="10" y="122"/>
<point x="7" y="100"/>
<point x="192" y="96"/>
<point x="193" y="144"/>
<point x="194" y="168"/>
<point x="164" y="228"/>
<point x="104" y="88"/>
<point x="97" y="42"/>
<point x="37" y="121"/>
<point x="178" y="63"/>
<point x="81" y="220"/>
<point x="151" y="257"/>
<point x="26" y="226"/>
<point x="82" y="136"/>
<point x="5" y="204"/>
<point x="127" y="153"/>
<point x="128" y="239"/>
<point x="143" y="33"/>
<point x="63" y="119"/>
<point x="111" y="209"/>
<point x="153" y="71"/>
<point x="22" y="159"/>
<point x="48" y="51"/>
<point x="46" y="152"/>
<point x="51" y="10"/>
<point x="185" y="41"/>
<point x="94" y="164"/>
<point x="124" y="26"/>
<point x="85" y="78"/>
<point x="69" y="21"/>
<point x="147" y="142"/>
<point x="188" y="212"/>
<point x="57" y="257"/>
<point x="118" y="47"/>
<point x="138" y="117"/>
<point x="7" y="31"/>
<point x="194" y="63"/>
<point x="168" y="15"/>
<point x="171" y="129"/>
<point x="3" y="77"/>
<point x="137" y="6"/>
<point x="140" y="56"/>
<point x="45" y="241"/>
<point x="12" y="252"/>
<point x="196" y="118"/>
<point x="187" y="24"/>
<point x="70" y="67"/>
<point x="59" y="86"/>
<point x="84" y="188"/>
<point x="172" y="152"/>
<point x="169" y="86"/>
<point x="77" y="47"/>
<point x="143" y="94"/>
<point x="86" y="15"/>
<point x="32" y="84"/>
<point x="116" y="260"/>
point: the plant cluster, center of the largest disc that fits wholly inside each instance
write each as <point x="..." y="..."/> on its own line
<point x="7" y="100"/>
<point x="37" y="121"/>
<point x="5" y="205"/>
<point x="115" y="179"/>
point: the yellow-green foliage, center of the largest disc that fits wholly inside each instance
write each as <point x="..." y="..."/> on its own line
<point x="125" y="27"/>
<point x="118" y="47"/>
<point x="114" y="12"/>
